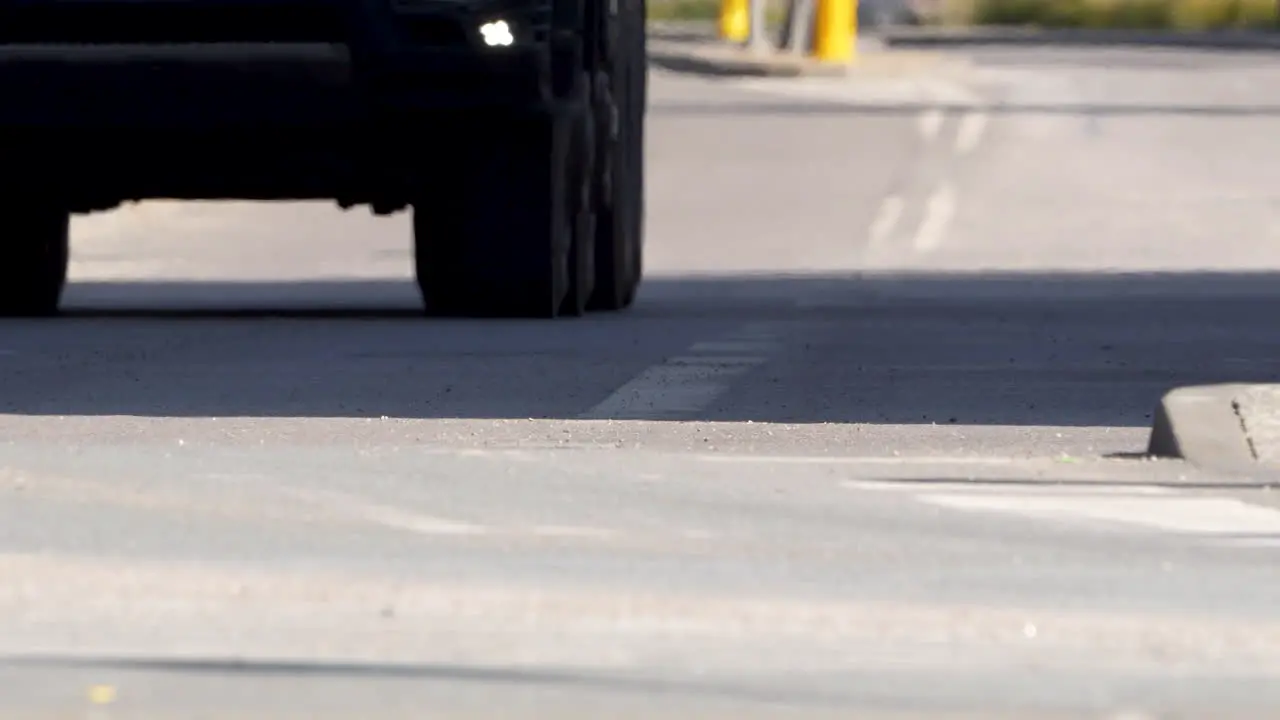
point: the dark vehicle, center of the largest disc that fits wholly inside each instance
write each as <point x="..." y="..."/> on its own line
<point x="512" y="128"/>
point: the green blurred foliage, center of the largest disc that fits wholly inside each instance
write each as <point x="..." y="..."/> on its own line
<point x="705" y="10"/>
<point x="1130" y="14"/>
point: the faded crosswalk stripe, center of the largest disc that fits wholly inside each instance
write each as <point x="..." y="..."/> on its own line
<point x="1149" y="508"/>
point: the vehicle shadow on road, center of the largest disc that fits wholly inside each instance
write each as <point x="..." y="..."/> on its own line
<point x="966" y="349"/>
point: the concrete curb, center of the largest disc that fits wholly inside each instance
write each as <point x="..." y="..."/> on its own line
<point x="719" y="59"/>
<point x="682" y="30"/>
<point x="1215" y="40"/>
<point x="1200" y="425"/>
<point x="729" y="61"/>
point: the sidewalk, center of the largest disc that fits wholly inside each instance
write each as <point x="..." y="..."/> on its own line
<point x="939" y="37"/>
<point x="695" y="48"/>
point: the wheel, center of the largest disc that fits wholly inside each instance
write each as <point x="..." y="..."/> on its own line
<point x="640" y="98"/>
<point x="581" y="211"/>
<point x="620" y="160"/>
<point x="34" y="251"/>
<point x="494" y="236"/>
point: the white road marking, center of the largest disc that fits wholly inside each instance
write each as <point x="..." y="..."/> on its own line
<point x="665" y="391"/>
<point x="970" y="132"/>
<point x="388" y="516"/>
<point x="399" y="519"/>
<point x="572" y="531"/>
<point x="1148" y="506"/>
<point x="420" y="524"/>
<point x="930" y="124"/>
<point x="855" y="460"/>
<point x="1187" y="514"/>
<point x="1007" y="489"/>
<point x="887" y="217"/>
<point x="714" y="360"/>
<point x="687" y="383"/>
<point x="938" y="212"/>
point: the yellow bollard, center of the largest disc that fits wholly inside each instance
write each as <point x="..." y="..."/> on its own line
<point x="735" y="20"/>
<point x="836" y="31"/>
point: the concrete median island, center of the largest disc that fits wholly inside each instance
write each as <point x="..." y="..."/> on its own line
<point x="1230" y="427"/>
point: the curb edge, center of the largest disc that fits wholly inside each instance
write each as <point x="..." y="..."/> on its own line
<point x="1199" y="424"/>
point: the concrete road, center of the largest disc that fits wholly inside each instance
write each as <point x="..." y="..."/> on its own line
<point x="862" y="449"/>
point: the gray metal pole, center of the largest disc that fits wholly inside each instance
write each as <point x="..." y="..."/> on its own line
<point x="799" y="36"/>
<point x="757" y="38"/>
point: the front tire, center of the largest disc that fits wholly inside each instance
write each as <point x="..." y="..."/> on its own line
<point x="620" y="179"/>
<point x="581" y="213"/>
<point x="34" y="253"/>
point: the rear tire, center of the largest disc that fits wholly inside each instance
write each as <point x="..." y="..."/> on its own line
<point x="34" y="253"/>
<point x="494" y="237"/>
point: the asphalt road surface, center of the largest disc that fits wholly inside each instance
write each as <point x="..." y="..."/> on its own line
<point x="864" y="448"/>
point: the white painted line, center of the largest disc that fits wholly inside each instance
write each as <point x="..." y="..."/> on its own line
<point x="970" y="132"/>
<point x="1192" y="515"/>
<point x="886" y="219"/>
<point x="937" y="216"/>
<point x="420" y="524"/>
<point x="688" y="383"/>
<point x="664" y="391"/>
<point x="388" y="516"/>
<point x="848" y="460"/>
<point x="1008" y="490"/>
<point x="572" y="531"/>
<point x="705" y="360"/>
<point x="930" y="124"/>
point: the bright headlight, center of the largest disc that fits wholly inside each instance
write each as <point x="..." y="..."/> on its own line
<point x="497" y="33"/>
